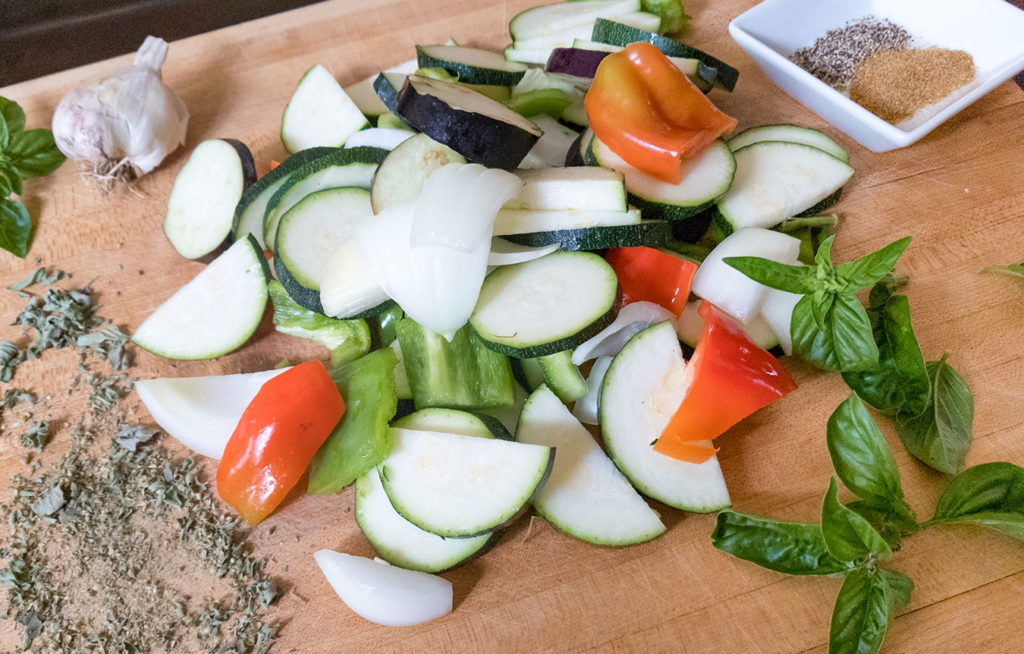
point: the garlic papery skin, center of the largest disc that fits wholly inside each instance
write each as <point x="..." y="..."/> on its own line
<point x="130" y="117"/>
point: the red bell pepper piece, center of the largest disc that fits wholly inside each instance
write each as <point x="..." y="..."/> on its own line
<point x="730" y="378"/>
<point x="276" y="438"/>
<point x="650" y="275"/>
<point x="649" y="113"/>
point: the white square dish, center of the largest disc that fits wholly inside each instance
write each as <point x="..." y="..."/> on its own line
<point x="992" y="31"/>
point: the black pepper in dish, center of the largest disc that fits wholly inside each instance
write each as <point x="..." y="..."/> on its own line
<point x="834" y="57"/>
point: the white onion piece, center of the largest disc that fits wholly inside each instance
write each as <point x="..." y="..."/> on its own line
<point x="457" y="206"/>
<point x="690" y="325"/>
<point x="777" y="311"/>
<point x="436" y="286"/>
<point x="386" y="138"/>
<point x="506" y="253"/>
<point x="551" y="148"/>
<point x="729" y="289"/>
<point x="587" y="408"/>
<point x="632" y="319"/>
<point x="383" y="593"/>
<point x="202" y="412"/>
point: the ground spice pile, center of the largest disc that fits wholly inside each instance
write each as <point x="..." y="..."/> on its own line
<point x="116" y="546"/>
<point x="896" y="84"/>
<point x="834" y="57"/>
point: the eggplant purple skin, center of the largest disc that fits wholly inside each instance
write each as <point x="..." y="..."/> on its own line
<point x="575" y="61"/>
<point x="480" y="139"/>
<point x="245" y="158"/>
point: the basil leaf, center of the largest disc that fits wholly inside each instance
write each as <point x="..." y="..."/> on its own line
<point x="784" y="277"/>
<point x="861" y="614"/>
<point x="848" y="536"/>
<point x="34" y="153"/>
<point x="899" y="588"/>
<point x="869" y="269"/>
<point x="793" y="548"/>
<point x="821" y="303"/>
<point x="823" y="257"/>
<point x="940" y="436"/>
<point x="863" y="459"/>
<point x="12" y="114"/>
<point x="844" y="340"/>
<point x="1015" y="269"/>
<point x="893" y="526"/>
<point x="5" y="134"/>
<point x="11" y="179"/>
<point x="900" y="382"/>
<point x="15" y="227"/>
<point x="990" y="495"/>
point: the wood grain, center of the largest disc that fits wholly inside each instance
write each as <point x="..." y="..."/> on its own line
<point x="957" y="192"/>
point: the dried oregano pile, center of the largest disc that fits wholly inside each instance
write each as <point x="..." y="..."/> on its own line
<point x="117" y="546"/>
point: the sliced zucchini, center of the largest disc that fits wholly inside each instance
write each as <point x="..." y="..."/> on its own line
<point x="459" y="486"/>
<point x="201" y="206"/>
<point x="615" y="33"/>
<point x="449" y="421"/>
<point x="580" y="188"/>
<point x="365" y="97"/>
<point x="401" y="543"/>
<point x="645" y="232"/>
<point x="302" y="295"/>
<point x="546" y="305"/>
<point x="253" y="203"/>
<point x="790" y="134"/>
<point x="403" y="172"/>
<point x="385" y="138"/>
<point x="479" y="128"/>
<point x="562" y="376"/>
<point x="706" y="178"/>
<point x="347" y="289"/>
<point x="312" y="230"/>
<point x="471" y="65"/>
<point x="586" y="496"/>
<point x="547" y="42"/>
<point x="342" y="167"/>
<point x="776" y="180"/>
<point x="319" y="113"/>
<point x="528" y="221"/>
<point x="214" y="313"/>
<point x="641" y="390"/>
<point x="525" y="56"/>
<point x="552" y="148"/>
<point x="641" y="20"/>
<point x="560" y="17"/>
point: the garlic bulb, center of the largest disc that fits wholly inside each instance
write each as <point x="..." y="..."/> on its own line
<point x="130" y="119"/>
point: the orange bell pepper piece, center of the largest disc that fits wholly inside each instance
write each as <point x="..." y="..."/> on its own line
<point x="649" y="113"/>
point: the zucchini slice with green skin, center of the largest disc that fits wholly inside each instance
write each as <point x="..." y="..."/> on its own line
<point x="401" y="543"/>
<point x="320" y="113"/>
<point x="201" y="206"/>
<point x="562" y="376"/>
<point x="790" y="134"/>
<point x="776" y="180"/>
<point x="253" y="203"/>
<point x="641" y="390"/>
<point x="385" y="138"/>
<point x="546" y="305"/>
<point x="580" y="188"/>
<point x="342" y="167"/>
<point x="404" y="171"/>
<point x="214" y="313"/>
<point x="560" y="17"/>
<point x="471" y="65"/>
<point x="613" y="33"/>
<point x="509" y="222"/>
<point x="302" y="295"/>
<point x="479" y="128"/>
<point x="706" y="178"/>
<point x="646" y="232"/>
<point x="312" y="230"/>
<point x="453" y="421"/>
<point x="586" y="496"/>
<point x="459" y="486"/>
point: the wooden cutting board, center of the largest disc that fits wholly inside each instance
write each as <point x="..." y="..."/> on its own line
<point x="957" y="192"/>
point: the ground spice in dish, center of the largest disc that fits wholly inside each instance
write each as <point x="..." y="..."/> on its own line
<point x="834" y="57"/>
<point x="896" y="84"/>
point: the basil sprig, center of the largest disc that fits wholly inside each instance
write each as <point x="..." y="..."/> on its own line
<point x="990" y="495"/>
<point x="830" y="327"/>
<point x="24" y="154"/>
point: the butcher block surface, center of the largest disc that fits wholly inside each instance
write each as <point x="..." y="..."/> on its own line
<point x="958" y="192"/>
